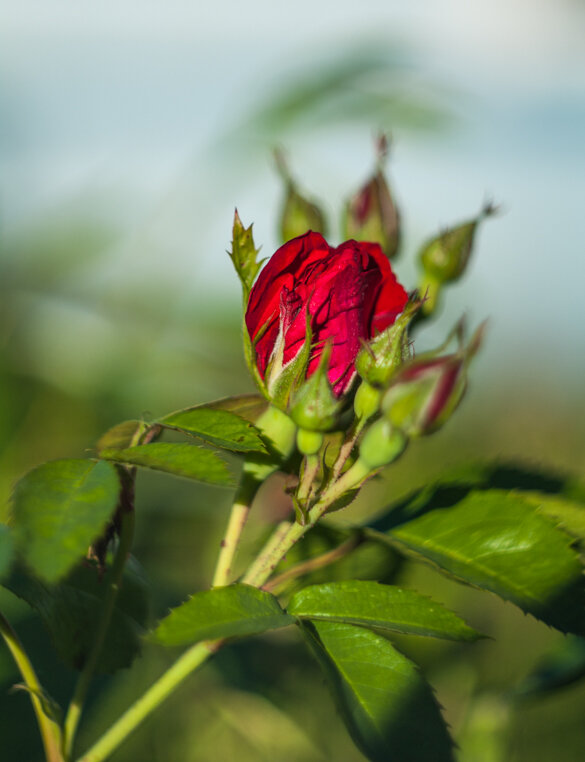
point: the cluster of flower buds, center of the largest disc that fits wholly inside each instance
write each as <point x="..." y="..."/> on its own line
<point x="328" y="335"/>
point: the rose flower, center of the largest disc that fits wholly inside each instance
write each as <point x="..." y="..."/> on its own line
<point x="347" y="294"/>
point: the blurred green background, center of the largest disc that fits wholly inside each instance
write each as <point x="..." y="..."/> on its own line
<point x="128" y="133"/>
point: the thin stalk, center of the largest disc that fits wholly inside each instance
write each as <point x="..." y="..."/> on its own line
<point x="84" y="681"/>
<point x="236" y="523"/>
<point x="312" y="564"/>
<point x="311" y="468"/>
<point x="149" y="701"/>
<point x="49" y="729"/>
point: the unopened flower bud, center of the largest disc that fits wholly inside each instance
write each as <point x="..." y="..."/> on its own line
<point x="309" y="442"/>
<point x="314" y="405"/>
<point x="381" y="445"/>
<point x="426" y="391"/>
<point x="298" y="213"/>
<point x="367" y="401"/>
<point x="381" y="357"/>
<point x="372" y="215"/>
<point x="445" y="257"/>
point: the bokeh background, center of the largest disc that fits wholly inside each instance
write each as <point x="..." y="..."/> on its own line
<point x="129" y="131"/>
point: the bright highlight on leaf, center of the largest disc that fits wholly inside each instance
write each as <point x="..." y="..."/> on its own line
<point x="381" y="606"/>
<point x="185" y="460"/>
<point x="218" y="427"/>
<point x="389" y="709"/>
<point x="223" y="612"/>
<point x="59" y="508"/>
<point x="496" y="541"/>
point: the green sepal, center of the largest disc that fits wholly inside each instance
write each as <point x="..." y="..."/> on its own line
<point x="381" y="357"/>
<point x="314" y="405"/>
<point x="244" y="255"/>
<point x="282" y="380"/>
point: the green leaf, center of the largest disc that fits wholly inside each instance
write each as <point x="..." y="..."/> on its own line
<point x="121" y="435"/>
<point x="221" y="428"/>
<point x="381" y="606"/>
<point x="71" y="611"/>
<point x="247" y="406"/>
<point x="223" y="612"/>
<point x="6" y="549"/>
<point x="59" y="508"/>
<point x="569" y="514"/>
<point x="494" y="540"/>
<point x="186" y="460"/>
<point x="389" y="709"/>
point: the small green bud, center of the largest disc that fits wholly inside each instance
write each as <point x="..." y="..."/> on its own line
<point x="381" y="445"/>
<point x="298" y="213"/>
<point x="367" y="401"/>
<point x="385" y="353"/>
<point x="445" y="257"/>
<point x="372" y="215"/>
<point x="309" y="442"/>
<point x="314" y="405"/>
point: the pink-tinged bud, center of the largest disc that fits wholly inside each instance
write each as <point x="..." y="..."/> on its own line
<point x="426" y="391"/>
<point x="311" y="295"/>
<point x="372" y="215"/>
<point x="299" y="214"/>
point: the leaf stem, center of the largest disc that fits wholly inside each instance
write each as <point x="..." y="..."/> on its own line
<point x="49" y="729"/>
<point x="155" y="695"/>
<point x="312" y="564"/>
<point x="82" y="687"/>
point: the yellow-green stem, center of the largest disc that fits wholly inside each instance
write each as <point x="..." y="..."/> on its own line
<point x="154" y="696"/>
<point x="50" y="731"/>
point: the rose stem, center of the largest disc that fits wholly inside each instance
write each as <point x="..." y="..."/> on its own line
<point x="76" y="705"/>
<point x="50" y="731"/>
<point x="280" y="431"/>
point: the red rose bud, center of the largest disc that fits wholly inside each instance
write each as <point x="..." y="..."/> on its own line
<point x="298" y="213"/>
<point x="427" y="390"/>
<point x="310" y="294"/>
<point x="372" y="215"/>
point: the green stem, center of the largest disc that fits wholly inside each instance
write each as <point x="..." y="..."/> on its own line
<point x="76" y="705"/>
<point x="154" y="696"/>
<point x="280" y="431"/>
<point x="50" y="731"/>
<point x="268" y="553"/>
<point x="312" y="564"/>
<point x="283" y="539"/>
<point x="237" y="521"/>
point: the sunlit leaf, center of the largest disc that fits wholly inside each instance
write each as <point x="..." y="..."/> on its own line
<point x="380" y="606"/>
<point x="185" y="460"/>
<point x="221" y="428"/>
<point x="72" y="609"/>
<point x="59" y="508"/>
<point x="121" y="435"/>
<point x="496" y="541"/>
<point x="387" y="706"/>
<point x="223" y="612"/>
